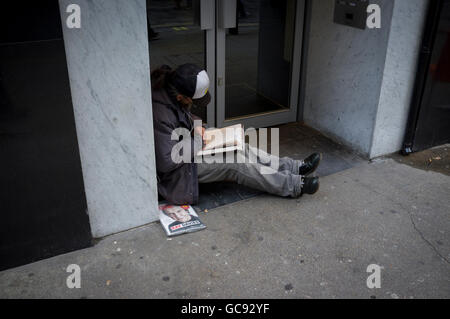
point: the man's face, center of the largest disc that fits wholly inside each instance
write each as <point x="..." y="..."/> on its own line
<point x="178" y="213"/>
<point x="184" y="100"/>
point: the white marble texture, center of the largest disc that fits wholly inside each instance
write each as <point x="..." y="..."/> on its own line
<point x="344" y="75"/>
<point x="108" y="62"/>
<point x="399" y="76"/>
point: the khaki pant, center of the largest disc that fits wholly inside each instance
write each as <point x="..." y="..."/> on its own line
<point x="256" y="172"/>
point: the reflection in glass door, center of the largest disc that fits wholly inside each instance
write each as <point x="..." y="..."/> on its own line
<point x="258" y="61"/>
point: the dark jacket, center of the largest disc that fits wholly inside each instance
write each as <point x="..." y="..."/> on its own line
<point x="177" y="183"/>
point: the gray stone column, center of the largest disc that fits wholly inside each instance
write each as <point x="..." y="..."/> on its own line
<point x="108" y="62"/>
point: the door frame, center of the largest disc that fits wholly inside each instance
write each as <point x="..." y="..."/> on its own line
<point x="224" y="19"/>
<point x="208" y="24"/>
<point x="426" y="51"/>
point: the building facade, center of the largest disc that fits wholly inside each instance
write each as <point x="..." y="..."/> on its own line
<point x="76" y="131"/>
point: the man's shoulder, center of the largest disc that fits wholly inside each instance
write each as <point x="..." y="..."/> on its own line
<point x="160" y="97"/>
<point x="161" y="105"/>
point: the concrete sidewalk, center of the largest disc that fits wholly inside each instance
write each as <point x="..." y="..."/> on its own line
<point x="383" y="213"/>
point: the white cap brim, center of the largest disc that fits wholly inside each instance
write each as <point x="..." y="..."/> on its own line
<point x="202" y="85"/>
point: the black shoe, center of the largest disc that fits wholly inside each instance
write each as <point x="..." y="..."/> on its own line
<point x="310" y="185"/>
<point x="310" y="164"/>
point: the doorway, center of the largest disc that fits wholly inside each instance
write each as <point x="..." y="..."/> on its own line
<point x="251" y="50"/>
<point x="429" y="119"/>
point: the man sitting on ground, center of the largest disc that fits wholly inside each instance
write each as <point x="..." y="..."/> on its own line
<point x="174" y="92"/>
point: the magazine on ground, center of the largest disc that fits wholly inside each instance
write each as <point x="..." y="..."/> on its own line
<point x="223" y="140"/>
<point x="177" y="220"/>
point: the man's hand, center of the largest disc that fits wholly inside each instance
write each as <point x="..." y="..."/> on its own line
<point x="200" y="130"/>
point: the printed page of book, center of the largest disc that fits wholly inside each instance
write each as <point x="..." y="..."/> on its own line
<point x="224" y="140"/>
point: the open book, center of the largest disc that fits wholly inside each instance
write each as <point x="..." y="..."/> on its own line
<point x="223" y="140"/>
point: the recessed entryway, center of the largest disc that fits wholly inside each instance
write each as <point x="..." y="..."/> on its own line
<point x="253" y="57"/>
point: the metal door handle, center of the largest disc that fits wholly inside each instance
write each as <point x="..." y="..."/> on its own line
<point x="207" y="14"/>
<point x="227" y="14"/>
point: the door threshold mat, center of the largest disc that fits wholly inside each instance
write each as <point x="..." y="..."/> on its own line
<point x="215" y="195"/>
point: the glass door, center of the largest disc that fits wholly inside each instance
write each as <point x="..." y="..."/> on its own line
<point x="183" y="31"/>
<point x="251" y="50"/>
<point x="258" y="61"/>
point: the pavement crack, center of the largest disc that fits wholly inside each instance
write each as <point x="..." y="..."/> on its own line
<point x="426" y="240"/>
<point x="411" y="218"/>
